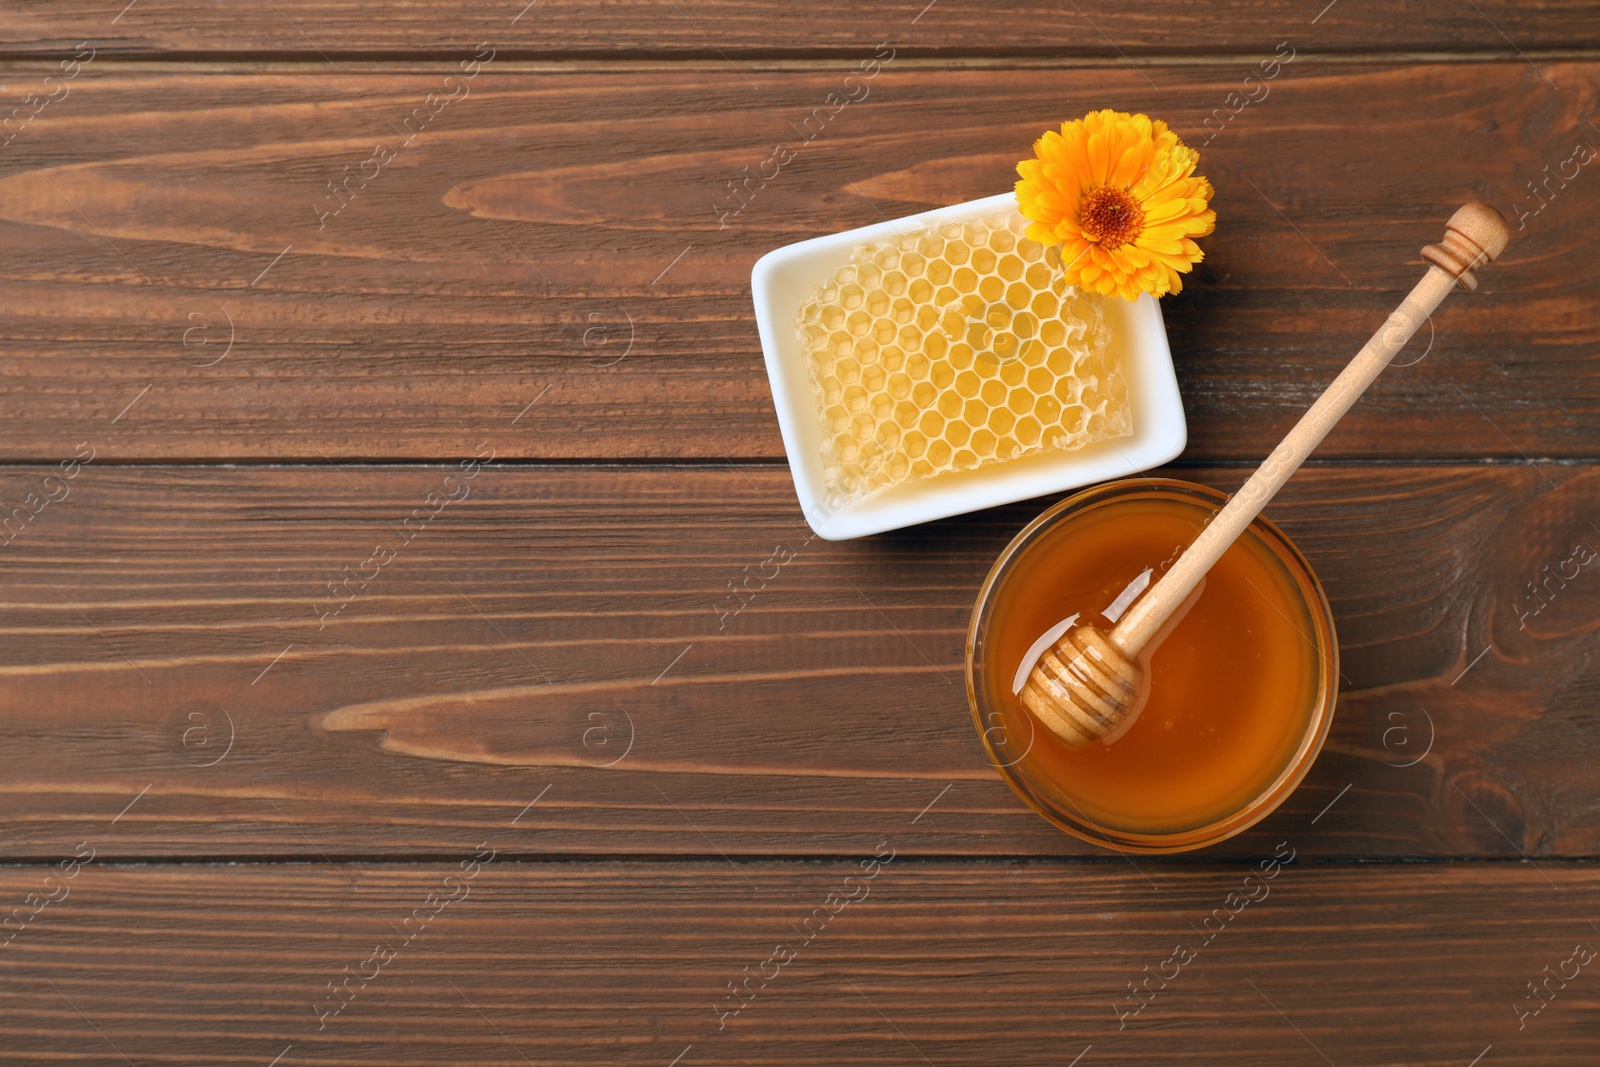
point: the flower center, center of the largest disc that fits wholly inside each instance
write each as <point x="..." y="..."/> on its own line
<point x="1111" y="217"/>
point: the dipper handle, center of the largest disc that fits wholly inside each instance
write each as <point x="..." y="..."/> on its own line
<point x="1474" y="236"/>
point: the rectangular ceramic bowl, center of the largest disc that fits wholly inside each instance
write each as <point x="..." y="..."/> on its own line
<point x="783" y="279"/>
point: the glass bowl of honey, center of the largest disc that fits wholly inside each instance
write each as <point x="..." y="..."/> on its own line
<point x="1241" y="686"/>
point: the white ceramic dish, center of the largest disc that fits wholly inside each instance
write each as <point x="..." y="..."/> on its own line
<point x="783" y="279"/>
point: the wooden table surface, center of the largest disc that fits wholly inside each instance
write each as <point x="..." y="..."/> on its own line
<point x="369" y="685"/>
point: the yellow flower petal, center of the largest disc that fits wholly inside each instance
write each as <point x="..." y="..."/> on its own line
<point x="1118" y="194"/>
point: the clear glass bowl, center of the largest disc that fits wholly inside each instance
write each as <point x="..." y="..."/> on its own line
<point x="1052" y="799"/>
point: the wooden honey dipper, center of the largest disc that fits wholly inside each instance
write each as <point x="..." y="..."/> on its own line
<point x="1086" y="684"/>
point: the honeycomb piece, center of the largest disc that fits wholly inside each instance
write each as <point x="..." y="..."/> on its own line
<point x="951" y="348"/>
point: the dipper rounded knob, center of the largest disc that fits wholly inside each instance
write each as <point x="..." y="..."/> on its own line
<point x="1475" y="235"/>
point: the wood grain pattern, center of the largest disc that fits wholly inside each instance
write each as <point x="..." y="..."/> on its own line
<point x="929" y="963"/>
<point x="707" y="27"/>
<point x="574" y="628"/>
<point x="272" y="711"/>
<point x="562" y="230"/>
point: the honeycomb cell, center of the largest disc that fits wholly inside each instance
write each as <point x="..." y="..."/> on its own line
<point x="947" y="349"/>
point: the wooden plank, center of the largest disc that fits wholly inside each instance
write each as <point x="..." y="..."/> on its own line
<point x="924" y="963"/>
<point x="562" y="231"/>
<point x="175" y="648"/>
<point x="708" y="27"/>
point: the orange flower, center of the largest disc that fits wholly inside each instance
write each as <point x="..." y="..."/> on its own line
<point x="1118" y="193"/>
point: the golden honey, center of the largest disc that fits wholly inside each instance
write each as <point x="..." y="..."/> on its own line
<point x="950" y="348"/>
<point x="1240" y="689"/>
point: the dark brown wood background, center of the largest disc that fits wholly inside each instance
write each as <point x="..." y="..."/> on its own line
<point x="541" y="275"/>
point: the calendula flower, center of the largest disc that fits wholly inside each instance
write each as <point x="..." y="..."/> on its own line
<point x="1118" y="194"/>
